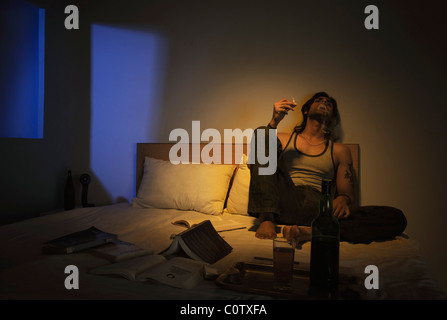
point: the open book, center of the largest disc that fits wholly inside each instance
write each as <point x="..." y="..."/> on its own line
<point x="201" y="242"/>
<point x="119" y="250"/>
<point x="177" y="272"/>
<point x="78" y="241"/>
<point x="219" y="223"/>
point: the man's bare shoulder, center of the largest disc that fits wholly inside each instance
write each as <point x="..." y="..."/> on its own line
<point x="342" y="151"/>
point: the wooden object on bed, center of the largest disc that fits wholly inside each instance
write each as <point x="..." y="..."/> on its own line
<point x="161" y="151"/>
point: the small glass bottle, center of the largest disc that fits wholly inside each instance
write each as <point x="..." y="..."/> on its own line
<point x="325" y="243"/>
<point x="69" y="193"/>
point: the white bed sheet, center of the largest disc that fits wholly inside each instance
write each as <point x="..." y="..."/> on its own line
<point x="27" y="274"/>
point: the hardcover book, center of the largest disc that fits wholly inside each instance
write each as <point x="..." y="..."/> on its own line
<point x="78" y="241"/>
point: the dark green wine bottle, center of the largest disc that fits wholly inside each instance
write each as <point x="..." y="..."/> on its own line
<point x="324" y="256"/>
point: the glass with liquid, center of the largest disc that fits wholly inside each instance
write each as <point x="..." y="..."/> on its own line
<point x="283" y="260"/>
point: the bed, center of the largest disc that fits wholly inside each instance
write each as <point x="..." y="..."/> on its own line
<point x="167" y="193"/>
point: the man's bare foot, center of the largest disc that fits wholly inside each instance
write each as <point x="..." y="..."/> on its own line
<point x="266" y="230"/>
<point x="299" y="233"/>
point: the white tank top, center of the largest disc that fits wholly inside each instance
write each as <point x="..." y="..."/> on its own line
<point x="308" y="170"/>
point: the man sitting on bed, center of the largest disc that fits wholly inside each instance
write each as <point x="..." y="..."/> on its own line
<point x="306" y="156"/>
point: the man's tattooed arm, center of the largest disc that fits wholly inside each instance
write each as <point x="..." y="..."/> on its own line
<point x="349" y="175"/>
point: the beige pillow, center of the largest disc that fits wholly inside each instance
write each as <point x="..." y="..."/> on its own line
<point x="237" y="202"/>
<point x="196" y="187"/>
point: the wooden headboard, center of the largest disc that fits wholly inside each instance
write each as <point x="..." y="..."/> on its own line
<point x="161" y="151"/>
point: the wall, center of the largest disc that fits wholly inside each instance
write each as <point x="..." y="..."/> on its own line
<point x="36" y="168"/>
<point x="21" y="62"/>
<point x="225" y="63"/>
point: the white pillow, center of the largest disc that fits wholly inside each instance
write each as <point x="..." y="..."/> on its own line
<point x="237" y="202"/>
<point x="196" y="187"/>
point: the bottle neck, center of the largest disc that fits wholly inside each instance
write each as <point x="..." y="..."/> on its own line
<point x="326" y="197"/>
<point x="326" y="204"/>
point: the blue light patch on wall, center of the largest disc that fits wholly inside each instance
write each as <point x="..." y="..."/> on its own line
<point x="41" y="75"/>
<point x="22" y="62"/>
<point x="127" y="80"/>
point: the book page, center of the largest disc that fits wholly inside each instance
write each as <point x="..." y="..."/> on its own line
<point x="185" y="222"/>
<point x="178" y="272"/>
<point x="130" y="269"/>
<point x="225" y="224"/>
<point x="219" y="223"/>
<point x="119" y="250"/>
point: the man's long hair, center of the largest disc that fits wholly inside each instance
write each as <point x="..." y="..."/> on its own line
<point x="334" y="121"/>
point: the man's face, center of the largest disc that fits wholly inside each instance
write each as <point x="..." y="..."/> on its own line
<point x="322" y="107"/>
